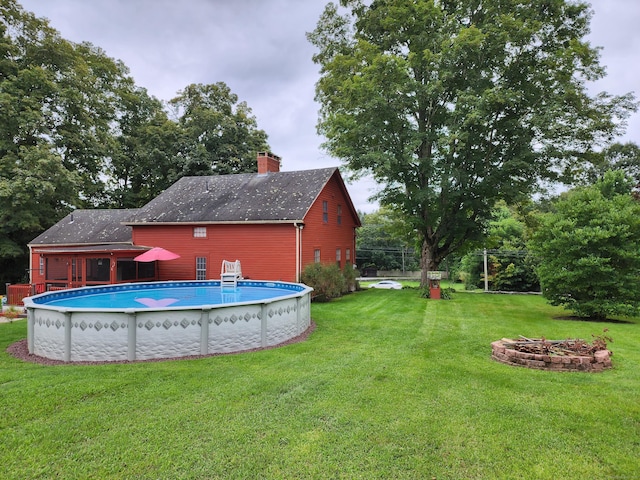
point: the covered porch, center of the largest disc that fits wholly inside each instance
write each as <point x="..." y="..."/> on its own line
<point x="92" y="265"/>
<point x="71" y="267"/>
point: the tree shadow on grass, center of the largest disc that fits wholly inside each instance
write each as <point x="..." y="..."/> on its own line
<point x="575" y="318"/>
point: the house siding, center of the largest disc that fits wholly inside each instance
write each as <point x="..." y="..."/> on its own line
<point x="329" y="236"/>
<point x="266" y="252"/>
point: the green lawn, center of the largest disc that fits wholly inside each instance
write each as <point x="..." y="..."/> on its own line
<point x="388" y="386"/>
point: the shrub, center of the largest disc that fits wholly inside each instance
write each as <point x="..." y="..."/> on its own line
<point x="587" y="250"/>
<point x="327" y="281"/>
<point x="351" y="279"/>
<point x="11" y="313"/>
<point x="445" y="293"/>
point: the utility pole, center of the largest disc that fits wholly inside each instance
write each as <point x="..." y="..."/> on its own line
<point x="486" y="273"/>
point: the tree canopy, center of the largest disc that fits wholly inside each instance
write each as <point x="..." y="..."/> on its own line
<point x="76" y="132"/>
<point x="509" y="267"/>
<point x="221" y="135"/>
<point x="587" y="249"/>
<point x="616" y="156"/>
<point x="385" y="242"/>
<point x="454" y="105"/>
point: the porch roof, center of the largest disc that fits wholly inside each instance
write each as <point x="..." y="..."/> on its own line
<point x="88" y="227"/>
<point x="91" y="249"/>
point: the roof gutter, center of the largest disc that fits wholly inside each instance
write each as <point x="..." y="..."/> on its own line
<point x="91" y="244"/>
<point x="223" y="222"/>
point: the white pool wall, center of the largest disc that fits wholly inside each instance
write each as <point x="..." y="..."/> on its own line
<point x="82" y="334"/>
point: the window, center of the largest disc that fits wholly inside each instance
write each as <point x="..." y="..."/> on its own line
<point x="325" y="211"/>
<point x="316" y="255"/>
<point x="57" y="269"/>
<point x="41" y="270"/>
<point x="339" y="214"/>
<point x="338" y="256"/>
<point x="199" y="232"/>
<point x="201" y="268"/>
<point x="347" y="255"/>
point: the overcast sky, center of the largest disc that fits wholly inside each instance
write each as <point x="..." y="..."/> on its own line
<point x="259" y="49"/>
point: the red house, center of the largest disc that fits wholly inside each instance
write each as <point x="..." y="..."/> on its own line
<point x="274" y="222"/>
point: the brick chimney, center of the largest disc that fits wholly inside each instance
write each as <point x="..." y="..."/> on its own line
<point x="268" y="162"/>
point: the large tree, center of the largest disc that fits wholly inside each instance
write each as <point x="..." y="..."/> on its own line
<point x="59" y="95"/>
<point x="210" y="133"/>
<point x="56" y="114"/>
<point x="221" y="135"/>
<point x="453" y="105"/>
<point x="144" y="160"/>
<point x="76" y="132"/>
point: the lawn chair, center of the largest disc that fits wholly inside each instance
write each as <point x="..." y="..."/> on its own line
<point x="230" y="273"/>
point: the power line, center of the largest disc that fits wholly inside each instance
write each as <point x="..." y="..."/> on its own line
<point x="503" y="253"/>
<point x="373" y="249"/>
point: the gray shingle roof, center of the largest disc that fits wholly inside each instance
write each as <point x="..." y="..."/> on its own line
<point x="89" y="227"/>
<point x="281" y="196"/>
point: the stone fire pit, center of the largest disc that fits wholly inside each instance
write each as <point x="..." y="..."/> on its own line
<point x="542" y="354"/>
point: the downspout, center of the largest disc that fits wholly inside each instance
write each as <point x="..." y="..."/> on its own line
<point x="31" y="265"/>
<point x="353" y="257"/>
<point x="299" y="227"/>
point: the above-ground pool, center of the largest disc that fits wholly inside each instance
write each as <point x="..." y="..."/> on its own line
<point x="143" y="321"/>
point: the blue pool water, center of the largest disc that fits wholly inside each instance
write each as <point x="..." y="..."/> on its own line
<point x="166" y="295"/>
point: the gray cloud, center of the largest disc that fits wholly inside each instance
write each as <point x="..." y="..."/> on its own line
<point x="614" y="28"/>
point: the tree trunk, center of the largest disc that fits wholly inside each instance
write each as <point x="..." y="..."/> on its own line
<point x="427" y="263"/>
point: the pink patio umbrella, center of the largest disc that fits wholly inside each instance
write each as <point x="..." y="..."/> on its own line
<point x="156" y="253"/>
